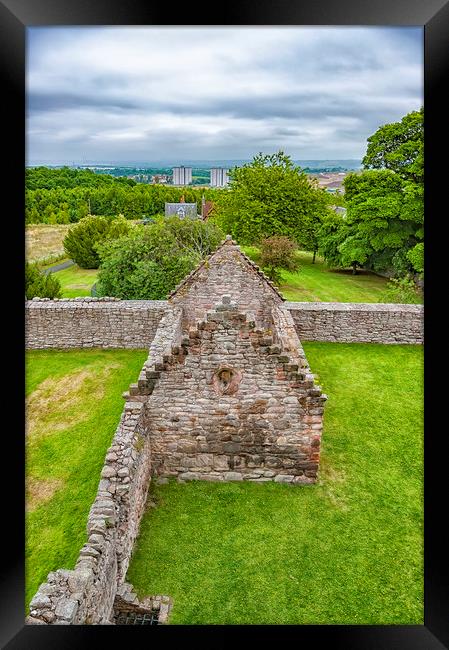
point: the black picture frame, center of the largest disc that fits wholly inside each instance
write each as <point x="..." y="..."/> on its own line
<point x="433" y="15"/>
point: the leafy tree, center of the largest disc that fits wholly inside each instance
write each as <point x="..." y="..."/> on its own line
<point x="399" y="147"/>
<point x="271" y="196"/>
<point x="150" y="260"/>
<point x="193" y="234"/>
<point x="331" y="235"/>
<point x="416" y="256"/>
<point x="278" y="252"/>
<point x="383" y="220"/>
<point x="39" y="285"/>
<point x="81" y="240"/>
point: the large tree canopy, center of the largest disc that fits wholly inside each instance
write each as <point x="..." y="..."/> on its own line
<point x="271" y="196"/>
<point x="400" y="147"/>
<point x="383" y="229"/>
<point x="381" y="224"/>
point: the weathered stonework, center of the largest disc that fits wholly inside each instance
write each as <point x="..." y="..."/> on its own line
<point x="228" y="271"/>
<point x="91" y="322"/>
<point x="341" y="322"/>
<point x="84" y="322"/>
<point x="86" y="594"/>
<point x="226" y="394"/>
<point x="267" y="426"/>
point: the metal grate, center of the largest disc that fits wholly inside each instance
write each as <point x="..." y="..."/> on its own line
<point x="136" y="618"/>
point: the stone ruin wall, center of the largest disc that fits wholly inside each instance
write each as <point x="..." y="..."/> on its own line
<point x="91" y="322"/>
<point x="86" y="594"/>
<point x="339" y="322"/>
<point x="269" y="361"/>
<point x="265" y="427"/>
<point x="225" y="272"/>
<point x="108" y="323"/>
<point x="182" y="419"/>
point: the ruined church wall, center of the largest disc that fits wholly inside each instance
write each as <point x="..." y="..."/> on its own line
<point x="86" y="594"/>
<point x="269" y="429"/>
<point x="226" y="273"/>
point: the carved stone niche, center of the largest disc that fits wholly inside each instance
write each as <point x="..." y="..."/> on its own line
<point x="226" y="380"/>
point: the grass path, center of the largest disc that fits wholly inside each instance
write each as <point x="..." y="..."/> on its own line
<point x="76" y="282"/>
<point x="345" y="551"/>
<point x="73" y="408"/>
<point x="317" y="283"/>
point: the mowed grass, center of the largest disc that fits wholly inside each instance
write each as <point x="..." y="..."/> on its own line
<point x="348" y="550"/>
<point x="76" y="282"/>
<point x="44" y="241"/>
<point x="73" y="407"/>
<point x="317" y="283"/>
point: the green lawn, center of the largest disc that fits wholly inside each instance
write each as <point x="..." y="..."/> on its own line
<point x="316" y="283"/>
<point x="73" y="408"/>
<point x="348" y="550"/>
<point x="76" y="282"/>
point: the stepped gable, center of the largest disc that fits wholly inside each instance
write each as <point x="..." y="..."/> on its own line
<point x="243" y="402"/>
<point x="226" y="271"/>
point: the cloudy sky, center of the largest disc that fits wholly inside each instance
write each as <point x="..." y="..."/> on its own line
<point x="147" y="94"/>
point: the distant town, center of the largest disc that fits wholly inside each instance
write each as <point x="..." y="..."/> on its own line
<point x="328" y="174"/>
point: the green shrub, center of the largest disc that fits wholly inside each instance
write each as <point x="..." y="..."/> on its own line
<point x="416" y="256"/>
<point x="39" y="285"/>
<point x="81" y="240"/>
<point x="278" y="253"/>
<point x="401" y="290"/>
<point x="149" y="261"/>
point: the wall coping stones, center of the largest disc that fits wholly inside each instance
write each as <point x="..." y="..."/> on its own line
<point x="354" y="306"/>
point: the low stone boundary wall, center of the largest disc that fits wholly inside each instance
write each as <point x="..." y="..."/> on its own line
<point x="113" y="323"/>
<point x="85" y="595"/>
<point x="358" y="322"/>
<point x="91" y="322"/>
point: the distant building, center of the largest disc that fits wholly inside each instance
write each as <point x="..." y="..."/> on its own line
<point x="160" y="178"/>
<point x="182" y="175"/>
<point x="206" y="208"/>
<point x="181" y="210"/>
<point x="219" y="177"/>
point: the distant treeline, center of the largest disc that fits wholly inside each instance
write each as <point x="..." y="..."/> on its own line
<point x="66" y="195"/>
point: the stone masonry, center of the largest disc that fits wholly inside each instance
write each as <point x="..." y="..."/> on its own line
<point x="226" y="394"/>
<point x="242" y="407"/>
<point x="114" y="323"/>
<point x="91" y="322"/>
<point x="340" y="322"/>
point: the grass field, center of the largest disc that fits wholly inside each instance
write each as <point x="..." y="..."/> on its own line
<point x="348" y="550"/>
<point x="76" y="282"/>
<point x="44" y="241"/>
<point x="317" y="283"/>
<point x="73" y="406"/>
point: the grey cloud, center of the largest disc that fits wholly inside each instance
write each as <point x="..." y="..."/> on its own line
<point x="318" y="92"/>
<point x="45" y="102"/>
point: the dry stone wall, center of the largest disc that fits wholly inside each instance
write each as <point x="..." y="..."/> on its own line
<point x="83" y="323"/>
<point x="86" y="594"/>
<point x="358" y="322"/>
<point x="91" y="322"/>
<point x="225" y="394"/>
